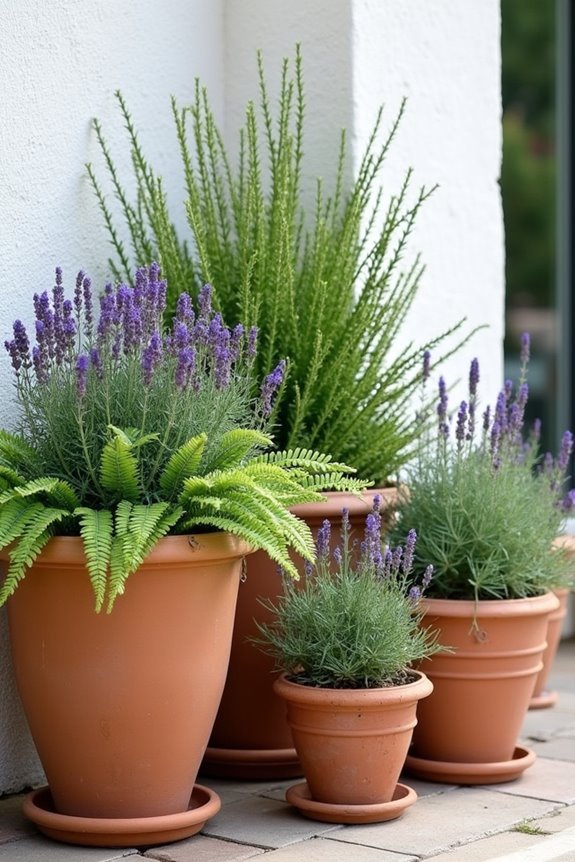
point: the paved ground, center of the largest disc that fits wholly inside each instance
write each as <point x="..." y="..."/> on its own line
<point x="529" y="820"/>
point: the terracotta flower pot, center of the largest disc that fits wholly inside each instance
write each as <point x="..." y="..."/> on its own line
<point x="542" y="697"/>
<point x="468" y="729"/>
<point x="121" y="705"/>
<point x="352" y="745"/>
<point x="251" y="738"/>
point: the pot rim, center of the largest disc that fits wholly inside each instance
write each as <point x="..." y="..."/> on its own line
<point x="365" y="697"/>
<point x="490" y="608"/>
<point x="358" y="504"/>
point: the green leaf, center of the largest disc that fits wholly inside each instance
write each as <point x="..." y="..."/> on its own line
<point x="15" y="452"/>
<point x="56" y="490"/>
<point x="183" y="464"/>
<point x="34" y="536"/>
<point x="119" y="468"/>
<point x="96" y="529"/>
<point x="234" y="446"/>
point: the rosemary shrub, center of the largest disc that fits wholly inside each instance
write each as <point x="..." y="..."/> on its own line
<point x="327" y="289"/>
<point x="127" y="433"/>
<point x="485" y="503"/>
<point x="353" y="622"/>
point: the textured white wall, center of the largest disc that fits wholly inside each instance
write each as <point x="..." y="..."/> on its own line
<point x="60" y="63"/>
<point x="445" y="58"/>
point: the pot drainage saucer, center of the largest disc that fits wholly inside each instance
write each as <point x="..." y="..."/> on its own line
<point x="299" y="796"/>
<point x="471" y="773"/>
<point x="117" y="831"/>
<point x="543" y="700"/>
<point x="257" y="764"/>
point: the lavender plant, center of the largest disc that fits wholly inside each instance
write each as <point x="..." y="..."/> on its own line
<point x="127" y="433"/>
<point x="485" y="502"/>
<point x="355" y="621"/>
<point x="327" y="288"/>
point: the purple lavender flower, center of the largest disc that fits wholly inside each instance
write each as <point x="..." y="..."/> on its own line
<point x="568" y="502"/>
<point x="39" y="367"/>
<point x="525" y="349"/>
<point x="508" y="390"/>
<point x="236" y="340"/>
<point x="270" y="386"/>
<point x="397" y="558"/>
<point x="536" y="431"/>
<point x="88" y="304"/>
<point x="495" y="437"/>
<point x="414" y="595"/>
<point x="427" y="576"/>
<point x="409" y="550"/>
<point x="322" y="541"/>
<point x="151" y="357"/>
<point x="205" y="303"/>
<point x="501" y="411"/>
<point x="78" y="292"/>
<point x="184" y="309"/>
<point x="338" y="557"/>
<point x="96" y="362"/>
<point x="185" y="366"/>
<point x="426" y="365"/>
<point x="21" y="342"/>
<point x="82" y="365"/>
<point x="14" y="355"/>
<point x="486" y="418"/>
<point x="473" y="378"/>
<point x="461" y="424"/>
<point x="565" y="451"/>
<point x="58" y="293"/>
<point x="548" y="463"/>
<point x="181" y="335"/>
<point x="345" y="525"/>
<point x="252" y="342"/>
<point x="442" y="408"/>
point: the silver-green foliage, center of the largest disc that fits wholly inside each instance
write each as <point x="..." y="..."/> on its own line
<point x="328" y="289"/>
<point x="352" y="622"/>
<point x="487" y="508"/>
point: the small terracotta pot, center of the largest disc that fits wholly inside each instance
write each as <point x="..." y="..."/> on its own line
<point x="121" y="705"/>
<point x="542" y="697"/>
<point x="251" y="738"/>
<point x="481" y="690"/>
<point x="352" y="743"/>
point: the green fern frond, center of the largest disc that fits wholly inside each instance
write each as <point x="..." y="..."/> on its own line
<point x="183" y="463"/>
<point x="14" y="515"/>
<point x="133" y="437"/>
<point x="57" y="491"/>
<point x="34" y="536"/>
<point x="334" y="482"/>
<point x="97" y="531"/>
<point x="235" y="445"/>
<point x="308" y="459"/>
<point x="119" y="468"/>
<point x="145" y="527"/>
<point x="15" y="452"/>
<point x="10" y="477"/>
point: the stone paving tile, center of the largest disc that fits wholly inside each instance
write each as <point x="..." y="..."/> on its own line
<point x="546" y="779"/>
<point x="326" y="850"/>
<point x="558" y="748"/>
<point x="559" y="848"/>
<point x="264" y="823"/>
<point x="563" y="818"/>
<point x="231" y="791"/>
<point x="43" y="850"/>
<point x="436" y="823"/>
<point x="12" y="822"/>
<point x="203" y="849"/>
<point x="486" y="849"/>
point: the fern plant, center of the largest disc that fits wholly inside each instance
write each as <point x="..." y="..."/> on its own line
<point x="128" y="433"/>
<point x="328" y="289"/>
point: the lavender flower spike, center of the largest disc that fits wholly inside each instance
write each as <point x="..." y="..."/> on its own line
<point x="270" y="386"/>
<point x="82" y="365"/>
<point x="473" y="378"/>
<point x="323" y="540"/>
<point x="461" y="423"/>
<point x="426" y="365"/>
<point x="565" y="451"/>
<point x="525" y="348"/>
<point x="409" y="550"/>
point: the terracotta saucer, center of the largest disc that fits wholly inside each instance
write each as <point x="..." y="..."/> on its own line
<point x="471" y="773"/>
<point x="119" y="832"/>
<point x="252" y="764"/>
<point x="543" y="700"/>
<point x="299" y="796"/>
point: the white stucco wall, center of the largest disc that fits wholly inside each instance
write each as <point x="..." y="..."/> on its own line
<point x="60" y="63"/>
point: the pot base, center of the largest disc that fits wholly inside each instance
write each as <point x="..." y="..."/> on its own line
<point x="543" y="700"/>
<point x="471" y="773"/>
<point x="120" y="832"/>
<point x="251" y="764"/>
<point x="299" y="796"/>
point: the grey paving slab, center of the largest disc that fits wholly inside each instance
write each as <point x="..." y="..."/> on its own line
<point x="436" y="823"/>
<point x="263" y="822"/>
<point x="43" y="850"/>
<point x="486" y="849"/>
<point x="557" y="748"/>
<point x="203" y="849"/>
<point x="13" y="824"/>
<point x="546" y="779"/>
<point x="555" y="848"/>
<point x="326" y="850"/>
<point x="563" y="818"/>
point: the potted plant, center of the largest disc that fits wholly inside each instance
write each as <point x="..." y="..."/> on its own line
<point x="487" y="508"/>
<point x="345" y="640"/>
<point x="328" y="289"/>
<point x="137" y="481"/>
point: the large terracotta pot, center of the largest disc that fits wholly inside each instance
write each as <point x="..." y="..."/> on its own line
<point x="121" y="705"/>
<point x="468" y="729"/>
<point x="251" y="738"/>
<point x="352" y="745"/>
<point x="542" y="697"/>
